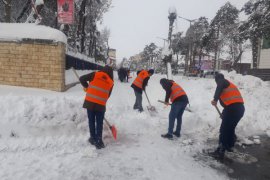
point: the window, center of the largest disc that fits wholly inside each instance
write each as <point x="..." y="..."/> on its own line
<point x="266" y="43"/>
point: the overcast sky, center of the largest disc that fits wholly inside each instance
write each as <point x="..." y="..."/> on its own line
<point x="136" y="23"/>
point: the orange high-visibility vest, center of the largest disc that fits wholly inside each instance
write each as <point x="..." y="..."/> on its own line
<point x="177" y="91"/>
<point x="99" y="89"/>
<point x="139" y="79"/>
<point x="231" y="95"/>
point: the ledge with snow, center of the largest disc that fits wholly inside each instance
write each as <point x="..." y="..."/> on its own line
<point x="32" y="56"/>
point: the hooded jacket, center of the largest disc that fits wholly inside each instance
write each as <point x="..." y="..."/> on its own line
<point x="86" y="79"/>
<point x="222" y="84"/>
<point x="166" y="85"/>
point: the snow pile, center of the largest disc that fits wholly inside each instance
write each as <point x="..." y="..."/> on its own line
<point x="257" y="103"/>
<point x="43" y="134"/>
<point x="19" y="31"/>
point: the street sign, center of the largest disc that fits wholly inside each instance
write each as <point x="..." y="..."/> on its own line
<point x="65" y="11"/>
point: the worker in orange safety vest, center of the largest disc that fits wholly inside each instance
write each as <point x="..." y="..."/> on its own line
<point x="179" y="100"/>
<point x="98" y="87"/>
<point x="231" y="99"/>
<point x="139" y="85"/>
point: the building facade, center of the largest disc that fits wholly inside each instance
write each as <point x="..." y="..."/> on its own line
<point x="112" y="58"/>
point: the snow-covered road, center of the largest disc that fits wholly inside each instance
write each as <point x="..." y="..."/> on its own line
<point x="43" y="134"/>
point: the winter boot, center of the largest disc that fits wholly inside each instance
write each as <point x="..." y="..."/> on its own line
<point x="168" y="136"/>
<point x="230" y="149"/>
<point x="176" y="134"/>
<point x="92" y="141"/>
<point x="218" y="153"/>
<point x="100" y="144"/>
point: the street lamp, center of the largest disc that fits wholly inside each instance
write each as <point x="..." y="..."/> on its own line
<point x="189" y="20"/>
<point x="164" y="40"/>
<point x="172" y="16"/>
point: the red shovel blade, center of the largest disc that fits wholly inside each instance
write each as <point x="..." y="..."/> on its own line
<point x="114" y="131"/>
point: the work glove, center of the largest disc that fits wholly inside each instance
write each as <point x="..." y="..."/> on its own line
<point x="85" y="89"/>
<point x="214" y="103"/>
<point x="166" y="105"/>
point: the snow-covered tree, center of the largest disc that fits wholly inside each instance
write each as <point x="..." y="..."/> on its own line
<point x="257" y="25"/>
<point x="222" y="29"/>
<point x="150" y="54"/>
<point x="83" y="35"/>
<point x="195" y="36"/>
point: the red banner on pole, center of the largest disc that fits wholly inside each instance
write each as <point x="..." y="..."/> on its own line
<point x="65" y="10"/>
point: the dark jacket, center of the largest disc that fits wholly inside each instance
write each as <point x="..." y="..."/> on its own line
<point x="145" y="82"/>
<point x="222" y="83"/>
<point x="167" y="85"/>
<point x="86" y="79"/>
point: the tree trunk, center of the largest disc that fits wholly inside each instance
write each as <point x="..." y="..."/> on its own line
<point x="200" y="59"/>
<point x="25" y="9"/>
<point x="81" y="26"/>
<point x="216" y="51"/>
<point x="255" y="50"/>
<point x="237" y="60"/>
<point x="8" y="11"/>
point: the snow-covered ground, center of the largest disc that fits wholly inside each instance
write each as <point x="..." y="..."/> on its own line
<point x="43" y="134"/>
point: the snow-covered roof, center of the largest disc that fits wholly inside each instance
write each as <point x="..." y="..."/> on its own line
<point x="19" y="31"/>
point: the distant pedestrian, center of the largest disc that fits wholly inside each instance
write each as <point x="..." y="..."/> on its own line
<point x="139" y="85"/>
<point x="127" y="74"/>
<point x="98" y="87"/>
<point x="179" y="101"/>
<point x="122" y="74"/>
<point x="230" y="98"/>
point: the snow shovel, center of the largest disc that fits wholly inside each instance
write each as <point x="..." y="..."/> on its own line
<point x="150" y="107"/>
<point x="186" y="109"/>
<point x="75" y="73"/>
<point x="112" y="127"/>
<point x="218" y="111"/>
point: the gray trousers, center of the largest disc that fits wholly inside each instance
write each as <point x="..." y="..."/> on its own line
<point x="138" y="102"/>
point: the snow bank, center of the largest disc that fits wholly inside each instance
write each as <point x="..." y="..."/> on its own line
<point x="44" y="134"/>
<point x="19" y="31"/>
<point x="257" y="103"/>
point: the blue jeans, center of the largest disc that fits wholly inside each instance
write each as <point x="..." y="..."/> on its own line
<point x="95" y="120"/>
<point x="138" y="102"/>
<point x="177" y="110"/>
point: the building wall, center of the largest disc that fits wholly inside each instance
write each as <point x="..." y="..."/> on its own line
<point x="33" y="63"/>
<point x="264" y="62"/>
<point x="112" y="57"/>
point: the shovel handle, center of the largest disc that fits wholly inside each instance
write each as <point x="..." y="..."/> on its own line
<point x="218" y="111"/>
<point x="147" y="98"/>
<point x="107" y="122"/>
<point x="75" y="73"/>
<point x="164" y="102"/>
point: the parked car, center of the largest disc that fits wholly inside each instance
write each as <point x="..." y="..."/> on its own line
<point x="209" y="73"/>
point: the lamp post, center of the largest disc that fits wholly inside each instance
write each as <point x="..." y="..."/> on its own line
<point x="190" y="46"/>
<point x="164" y="40"/>
<point x="172" y="16"/>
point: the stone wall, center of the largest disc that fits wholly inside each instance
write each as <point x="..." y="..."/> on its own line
<point x="33" y="63"/>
